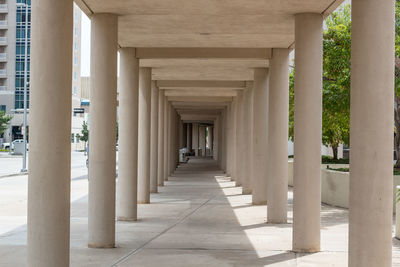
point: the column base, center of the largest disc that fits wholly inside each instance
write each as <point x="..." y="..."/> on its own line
<point x="143" y="202"/>
<point x="154" y="191"/>
<point x="160" y="185"/>
<point x="126" y="219"/>
<point x="101" y="246"/>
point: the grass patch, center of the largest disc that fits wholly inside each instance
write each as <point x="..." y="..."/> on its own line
<point x="338" y="169"/>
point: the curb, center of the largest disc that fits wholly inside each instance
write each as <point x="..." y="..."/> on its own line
<point x="13" y="174"/>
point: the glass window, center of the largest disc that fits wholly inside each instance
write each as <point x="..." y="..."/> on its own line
<point x="3" y="107"/>
<point x="72" y="138"/>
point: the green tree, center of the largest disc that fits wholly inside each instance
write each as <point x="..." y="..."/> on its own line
<point x="397" y="85"/>
<point x="336" y="81"/>
<point x="84" y="136"/>
<point x="4" y="121"/>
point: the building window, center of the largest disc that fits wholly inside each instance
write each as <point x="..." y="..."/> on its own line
<point x="77" y="138"/>
<point x="72" y="138"/>
<point x="75" y="75"/>
<point x="74" y="91"/>
<point x="3" y="107"/>
<point x="19" y="99"/>
<point x="76" y="31"/>
<point x="75" y="45"/>
<point x="75" y="60"/>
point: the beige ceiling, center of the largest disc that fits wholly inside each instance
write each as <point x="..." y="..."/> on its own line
<point x="195" y="41"/>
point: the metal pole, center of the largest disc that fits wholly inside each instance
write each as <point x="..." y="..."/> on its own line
<point x="25" y="85"/>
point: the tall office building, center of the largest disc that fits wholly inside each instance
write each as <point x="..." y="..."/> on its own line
<point x="15" y="16"/>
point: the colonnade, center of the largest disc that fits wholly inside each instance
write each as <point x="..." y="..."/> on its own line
<point x="249" y="134"/>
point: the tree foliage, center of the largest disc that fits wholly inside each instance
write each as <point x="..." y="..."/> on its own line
<point x="336" y="81"/>
<point x="397" y="84"/>
<point x="84" y="136"/>
<point x="4" y="121"/>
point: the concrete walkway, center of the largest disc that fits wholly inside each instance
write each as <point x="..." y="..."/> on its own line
<point x="198" y="219"/>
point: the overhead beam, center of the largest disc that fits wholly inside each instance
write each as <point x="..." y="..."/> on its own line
<point x="189" y="84"/>
<point x="199" y="105"/>
<point x="199" y="111"/>
<point x="233" y="53"/>
<point x="200" y="99"/>
<point x="208" y="93"/>
<point x="198" y="117"/>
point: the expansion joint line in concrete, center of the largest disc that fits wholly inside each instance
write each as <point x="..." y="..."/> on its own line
<point x="137" y="250"/>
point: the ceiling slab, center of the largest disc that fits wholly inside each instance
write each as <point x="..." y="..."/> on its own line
<point x="207" y="23"/>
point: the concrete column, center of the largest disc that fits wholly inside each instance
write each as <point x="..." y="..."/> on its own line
<point x="228" y="140"/>
<point x="231" y="135"/>
<point x="307" y="125"/>
<point x="154" y="138"/>
<point x="202" y="140"/>
<point x="189" y="136"/>
<point x="211" y="139"/>
<point x="166" y="138"/>
<point x="171" y="136"/>
<point x="128" y="135"/>
<point x="260" y="169"/>
<point x="216" y="138"/>
<point x="102" y="134"/>
<point x="50" y="133"/>
<point x="248" y="139"/>
<point x="180" y="134"/>
<point x="160" y="168"/>
<point x="238" y="139"/>
<point x="195" y="138"/>
<point x="278" y="119"/>
<point x="223" y="140"/>
<point x="144" y="135"/>
<point x="184" y="133"/>
<point x="371" y="157"/>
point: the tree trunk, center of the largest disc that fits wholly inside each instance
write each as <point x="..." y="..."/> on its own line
<point x="335" y="151"/>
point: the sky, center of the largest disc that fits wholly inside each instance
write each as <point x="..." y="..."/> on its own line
<point x="85" y="46"/>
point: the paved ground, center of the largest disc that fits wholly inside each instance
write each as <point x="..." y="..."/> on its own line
<point x="198" y="219"/>
<point x="12" y="164"/>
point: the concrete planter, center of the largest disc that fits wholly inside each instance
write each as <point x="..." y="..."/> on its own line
<point x="335" y="185"/>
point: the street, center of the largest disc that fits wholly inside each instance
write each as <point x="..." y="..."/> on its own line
<point x="13" y="190"/>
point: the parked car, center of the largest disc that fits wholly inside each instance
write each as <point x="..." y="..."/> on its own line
<point x="5" y="146"/>
<point x="19" y="141"/>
